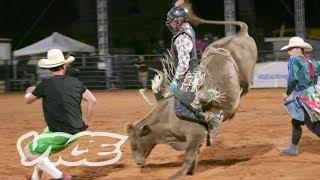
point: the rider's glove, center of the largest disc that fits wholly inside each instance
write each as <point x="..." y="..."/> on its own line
<point x="173" y="85"/>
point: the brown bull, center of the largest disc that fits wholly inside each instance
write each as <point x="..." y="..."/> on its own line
<point x="228" y="69"/>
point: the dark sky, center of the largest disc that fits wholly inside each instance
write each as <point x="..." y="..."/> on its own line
<point x="137" y="24"/>
<point x="18" y="16"/>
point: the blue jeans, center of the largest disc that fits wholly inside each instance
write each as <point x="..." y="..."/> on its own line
<point x="186" y="112"/>
<point x="294" y="107"/>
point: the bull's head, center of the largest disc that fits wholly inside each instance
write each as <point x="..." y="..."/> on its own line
<point x="141" y="143"/>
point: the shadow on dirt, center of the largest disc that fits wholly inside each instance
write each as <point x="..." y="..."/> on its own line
<point x="309" y="144"/>
<point x="89" y="173"/>
<point x="219" y="155"/>
<point x="222" y="155"/>
<point x="222" y="151"/>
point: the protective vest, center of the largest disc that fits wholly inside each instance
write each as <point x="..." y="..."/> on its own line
<point x="185" y="91"/>
<point x="194" y="61"/>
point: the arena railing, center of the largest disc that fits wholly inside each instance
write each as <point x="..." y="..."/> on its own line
<point x="97" y="72"/>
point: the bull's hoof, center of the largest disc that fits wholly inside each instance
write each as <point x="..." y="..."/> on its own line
<point x="180" y="174"/>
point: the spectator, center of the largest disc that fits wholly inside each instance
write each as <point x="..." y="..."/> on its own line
<point x="209" y="38"/>
<point x="215" y="38"/>
<point x="142" y="72"/>
<point x="201" y="45"/>
<point x="160" y="49"/>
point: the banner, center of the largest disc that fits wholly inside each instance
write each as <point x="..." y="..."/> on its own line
<point x="270" y="75"/>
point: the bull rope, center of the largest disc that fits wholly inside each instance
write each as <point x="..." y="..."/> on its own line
<point x="142" y="91"/>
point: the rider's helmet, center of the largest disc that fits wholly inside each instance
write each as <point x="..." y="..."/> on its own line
<point x="179" y="15"/>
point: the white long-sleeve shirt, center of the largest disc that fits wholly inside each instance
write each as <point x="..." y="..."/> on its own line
<point x="184" y="46"/>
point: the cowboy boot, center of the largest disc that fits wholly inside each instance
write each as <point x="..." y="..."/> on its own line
<point x="291" y="150"/>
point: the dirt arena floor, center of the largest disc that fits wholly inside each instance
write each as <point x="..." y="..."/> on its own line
<point x="246" y="147"/>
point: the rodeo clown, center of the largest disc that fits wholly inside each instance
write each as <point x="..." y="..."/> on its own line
<point x="61" y="100"/>
<point x="301" y="97"/>
<point x="186" y="65"/>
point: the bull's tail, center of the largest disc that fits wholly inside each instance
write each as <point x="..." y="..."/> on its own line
<point x="243" y="26"/>
<point x="194" y="19"/>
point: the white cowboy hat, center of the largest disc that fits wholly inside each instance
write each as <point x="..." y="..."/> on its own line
<point x="55" y="58"/>
<point x="297" y="42"/>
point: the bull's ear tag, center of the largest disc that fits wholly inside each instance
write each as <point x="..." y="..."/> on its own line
<point x="145" y="130"/>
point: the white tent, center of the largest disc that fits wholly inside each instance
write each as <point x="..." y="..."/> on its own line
<point x="55" y="41"/>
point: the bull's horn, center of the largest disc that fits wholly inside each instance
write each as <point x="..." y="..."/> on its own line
<point x="130" y="130"/>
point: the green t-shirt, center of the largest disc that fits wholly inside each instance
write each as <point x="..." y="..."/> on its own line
<point x="61" y="101"/>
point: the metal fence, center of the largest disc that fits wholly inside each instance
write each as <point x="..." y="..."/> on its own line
<point x="16" y="75"/>
<point x="123" y="73"/>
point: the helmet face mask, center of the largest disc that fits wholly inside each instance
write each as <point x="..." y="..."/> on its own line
<point x="175" y="18"/>
<point x="174" y="25"/>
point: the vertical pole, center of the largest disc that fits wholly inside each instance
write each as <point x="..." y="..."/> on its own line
<point x="229" y="15"/>
<point x="10" y="70"/>
<point x="300" y="26"/>
<point x="7" y="76"/>
<point x="103" y="39"/>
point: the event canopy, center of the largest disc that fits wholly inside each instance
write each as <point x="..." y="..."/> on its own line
<point x="56" y="40"/>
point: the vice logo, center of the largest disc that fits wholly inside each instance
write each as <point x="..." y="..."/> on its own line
<point x="79" y="150"/>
